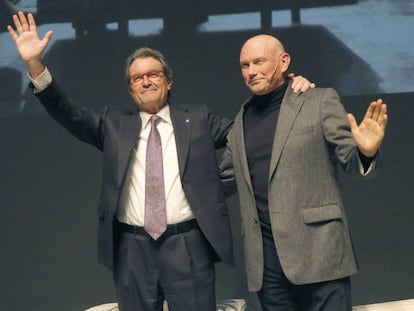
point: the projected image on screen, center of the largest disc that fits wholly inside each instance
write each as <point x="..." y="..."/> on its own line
<point x="357" y="47"/>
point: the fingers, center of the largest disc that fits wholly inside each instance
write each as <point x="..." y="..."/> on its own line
<point x="384" y="121"/>
<point x="383" y="116"/>
<point x="26" y="24"/>
<point x="32" y="23"/>
<point x="376" y="109"/>
<point x="17" y="24"/>
<point x="305" y="86"/>
<point x="12" y="33"/>
<point x="22" y="24"/>
<point x="300" y="83"/>
<point x="369" y="114"/>
<point x="377" y="112"/>
<point x="23" y="21"/>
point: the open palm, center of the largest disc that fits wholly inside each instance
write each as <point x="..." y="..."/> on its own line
<point x="26" y="37"/>
<point x="369" y="134"/>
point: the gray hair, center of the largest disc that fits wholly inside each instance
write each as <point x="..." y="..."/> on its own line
<point x="148" y="52"/>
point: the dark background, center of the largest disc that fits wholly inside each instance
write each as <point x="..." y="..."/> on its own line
<point x="49" y="181"/>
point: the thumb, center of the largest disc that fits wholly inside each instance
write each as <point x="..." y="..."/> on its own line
<point x="47" y="37"/>
<point x="352" y="121"/>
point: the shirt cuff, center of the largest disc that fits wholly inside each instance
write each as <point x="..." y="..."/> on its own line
<point x="366" y="165"/>
<point x="42" y="81"/>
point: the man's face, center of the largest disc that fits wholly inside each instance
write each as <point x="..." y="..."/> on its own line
<point x="148" y="85"/>
<point x="262" y="65"/>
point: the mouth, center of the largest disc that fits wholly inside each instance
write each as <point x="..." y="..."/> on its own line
<point x="148" y="91"/>
<point x="255" y="81"/>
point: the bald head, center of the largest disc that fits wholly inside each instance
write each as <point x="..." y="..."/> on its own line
<point x="264" y="41"/>
<point x="263" y="63"/>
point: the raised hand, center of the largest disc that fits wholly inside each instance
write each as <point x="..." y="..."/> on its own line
<point x="369" y="134"/>
<point x="28" y="43"/>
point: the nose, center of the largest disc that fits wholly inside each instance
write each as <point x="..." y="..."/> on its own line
<point x="251" y="70"/>
<point x="146" y="80"/>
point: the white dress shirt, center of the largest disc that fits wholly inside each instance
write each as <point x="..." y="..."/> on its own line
<point x="132" y="204"/>
<point x="132" y="207"/>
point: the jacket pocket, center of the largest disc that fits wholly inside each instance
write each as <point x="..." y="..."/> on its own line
<point x="322" y="213"/>
<point x="301" y="130"/>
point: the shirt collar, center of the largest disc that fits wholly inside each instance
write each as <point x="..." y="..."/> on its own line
<point x="164" y="114"/>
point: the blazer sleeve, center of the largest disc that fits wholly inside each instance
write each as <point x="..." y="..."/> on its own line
<point x="337" y="133"/>
<point x="219" y="127"/>
<point x="228" y="180"/>
<point x="81" y="121"/>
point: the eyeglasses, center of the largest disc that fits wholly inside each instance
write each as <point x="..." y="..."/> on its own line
<point x="153" y="76"/>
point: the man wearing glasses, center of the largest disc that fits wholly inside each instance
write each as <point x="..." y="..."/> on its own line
<point x="159" y="232"/>
<point x="173" y="257"/>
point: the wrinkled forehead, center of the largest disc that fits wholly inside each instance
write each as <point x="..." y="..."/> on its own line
<point x="144" y="64"/>
<point x="258" y="47"/>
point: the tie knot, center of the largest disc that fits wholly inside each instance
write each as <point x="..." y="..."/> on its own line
<point x="155" y="120"/>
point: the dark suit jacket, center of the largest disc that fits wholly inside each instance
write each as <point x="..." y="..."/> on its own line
<point x="198" y="133"/>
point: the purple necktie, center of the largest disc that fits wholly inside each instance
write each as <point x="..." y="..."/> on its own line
<point x="155" y="222"/>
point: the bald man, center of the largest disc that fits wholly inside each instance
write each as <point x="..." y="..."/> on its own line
<point x="282" y="154"/>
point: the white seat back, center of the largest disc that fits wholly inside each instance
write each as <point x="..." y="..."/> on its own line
<point x="399" y="305"/>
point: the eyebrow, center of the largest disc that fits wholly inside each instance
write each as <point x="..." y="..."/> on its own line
<point x="147" y="72"/>
<point x="255" y="60"/>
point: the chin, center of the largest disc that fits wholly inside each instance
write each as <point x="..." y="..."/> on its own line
<point x="260" y="92"/>
<point x="259" y="89"/>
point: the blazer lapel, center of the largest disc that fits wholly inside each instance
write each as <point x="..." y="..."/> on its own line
<point x="289" y="109"/>
<point x="130" y="126"/>
<point x="181" y="120"/>
<point x="239" y="147"/>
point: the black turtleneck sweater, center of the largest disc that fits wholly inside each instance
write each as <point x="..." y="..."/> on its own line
<point x="260" y="120"/>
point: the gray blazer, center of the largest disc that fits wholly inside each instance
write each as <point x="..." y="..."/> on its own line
<point x="308" y="219"/>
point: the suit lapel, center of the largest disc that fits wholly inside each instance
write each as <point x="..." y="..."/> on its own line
<point x="130" y="126"/>
<point x="289" y="109"/>
<point x="240" y="146"/>
<point x="181" y="120"/>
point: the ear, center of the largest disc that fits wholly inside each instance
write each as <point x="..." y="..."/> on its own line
<point x="169" y="84"/>
<point x="285" y="61"/>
